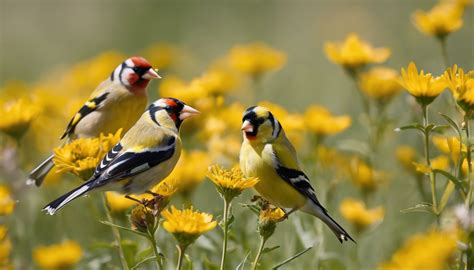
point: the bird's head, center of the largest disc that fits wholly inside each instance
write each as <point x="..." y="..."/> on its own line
<point x="165" y="109"/>
<point x="134" y="73"/>
<point x="260" y="125"/>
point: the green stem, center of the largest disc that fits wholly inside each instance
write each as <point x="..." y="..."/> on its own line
<point x="151" y="238"/>
<point x="224" y="243"/>
<point x="181" y="250"/>
<point x="116" y="233"/>
<point x="444" y="51"/>
<point x="263" y="240"/>
<point x="434" y="196"/>
<point x="468" y="157"/>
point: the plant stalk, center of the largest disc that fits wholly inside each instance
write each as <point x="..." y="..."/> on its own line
<point x="468" y="157"/>
<point x="181" y="250"/>
<point x="226" y="228"/>
<point x="444" y="51"/>
<point x="151" y="238"/>
<point x="263" y="240"/>
<point x="116" y="233"/>
<point x="434" y="196"/>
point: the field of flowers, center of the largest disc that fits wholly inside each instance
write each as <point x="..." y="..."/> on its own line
<point x="379" y="114"/>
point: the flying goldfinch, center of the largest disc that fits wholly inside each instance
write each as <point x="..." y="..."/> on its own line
<point x="147" y="154"/>
<point x="116" y="103"/>
<point x="266" y="153"/>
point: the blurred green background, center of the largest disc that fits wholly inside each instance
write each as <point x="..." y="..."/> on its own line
<point x="37" y="37"/>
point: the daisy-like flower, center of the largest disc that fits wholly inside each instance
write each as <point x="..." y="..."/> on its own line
<point x="230" y="183"/>
<point x="449" y="146"/>
<point x="256" y="58"/>
<point x="267" y="220"/>
<point x="462" y="86"/>
<point x="187" y="225"/>
<point x="441" y="20"/>
<point x="380" y="83"/>
<point x="118" y="203"/>
<point x="58" y="256"/>
<point x="358" y="215"/>
<point x="437" y="248"/>
<point x="81" y="156"/>
<point x="7" y="204"/>
<point x="422" y="86"/>
<point x="142" y="218"/>
<point x="218" y="80"/>
<point x="364" y="176"/>
<point x="354" y="52"/>
<point x="17" y="116"/>
<point x="321" y="122"/>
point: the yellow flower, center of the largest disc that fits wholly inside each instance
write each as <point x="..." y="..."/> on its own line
<point x="187" y="225"/>
<point x="118" y="203"/>
<point x="142" y="218"/>
<point x="57" y="256"/>
<point x="81" y="156"/>
<point x="321" y="122"/>
<point x="217" y="81"/>
<point x="256" y="58"/>
<point x="450" y="146"/>
<point x="462" y="86"/>
<point x="406" y="155"/>
<point x="354" y="52"/>
<point x="161" y="55"/>
<point x="437" y="163"/>
<point x="230" y="183"/>
<point x="168" y="187"/>
<point x="422" y="86"/>
<point x="363" y="176"/>
<point x="441" y="20"/>
<point x="267" y="220"/>
<point x="5" y="246"/>
<point x="431" y="250"/>
<point x="380" y="83"/>
<point x="358" y="215"/>
<point x="17" y="116"/>
<point x="290" y="121"/>
<point x="7" y="204"/>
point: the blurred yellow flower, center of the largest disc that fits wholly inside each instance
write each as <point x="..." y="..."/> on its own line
<point x="81" y="156"/>
<point x="58" y="256"/>
<point x="226" y="119"/>
<point x="422" y="86"/>
<point x="5" y="247"/>
<point x="441" y="20"/>
<point x="256" y="58"/>
<point x="161" y="55"/>
<point x="168" y="187"/>
<point x="450" y="146"/>
<point x="118" y="203"/>
<point x="462" y="86"/>
<point x="230" y="183"/>
<point x="437" y="163"/>
<point x="431" y="250"/>
<point x="358" y="215"/>
<point x="217" y="81"/>
<point x="321" y="122"/>
<point x="363" y="176"/>
<point x="354" y="52"/>
<point x="7" y="204"/>
<point x="224" y="148"/>
<point x="290" y="121"/>
<point x="406" y="155"/>
<point x="187" y="225"/>
<point x="380" y="83"/>
<point x="17" y="116"/>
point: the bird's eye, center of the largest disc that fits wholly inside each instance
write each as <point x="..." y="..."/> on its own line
<point x="136" y="69"/>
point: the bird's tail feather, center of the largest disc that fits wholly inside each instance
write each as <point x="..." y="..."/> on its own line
<point x="321" y="213"/>
<point x="57" y="204"/>
<point x="38" y="174"/>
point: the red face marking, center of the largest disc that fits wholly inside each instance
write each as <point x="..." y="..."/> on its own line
<point x="140" y="62"/>
<point x="249" y="136"/>
<point x="171" y="103"/>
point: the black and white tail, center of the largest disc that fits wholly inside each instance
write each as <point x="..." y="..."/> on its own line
<point x="57" y="204"/>
<point x="38" y="174"/>
<point x="321" y="213"/>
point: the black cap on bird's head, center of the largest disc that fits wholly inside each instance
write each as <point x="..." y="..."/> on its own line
<point x="134" y="73"/>
<point x="259" y="124"/>
<point x="175" y="109"/>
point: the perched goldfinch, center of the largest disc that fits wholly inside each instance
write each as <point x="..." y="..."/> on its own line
<point x="147" y="153"/>
<point x="116" y="103"/>
<point x="266" y="153"/>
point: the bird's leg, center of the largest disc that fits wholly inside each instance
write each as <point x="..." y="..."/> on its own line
<point x="152" y="193"/>
<point x="133" y="199"/>
<point x="287" y="214"/>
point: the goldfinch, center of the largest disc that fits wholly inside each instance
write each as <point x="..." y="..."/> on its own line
<point x="266" y="153"/>
<point x="116" y="103"/>
<point x="146" y="154"/>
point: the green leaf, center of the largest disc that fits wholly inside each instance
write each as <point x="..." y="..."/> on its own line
<point x="412" y="126"/>
<point x="421" y="207"/>
<point x="189" y="260"/>
<point x="446" y="194"/>
<point x="291" y="258"/>
<point x="267" y="250"/>
<point x="123" y="228"/>
<point x="439" y="128"/>
<point x="144" y="254"/>
<point x="241" y="265"/>
<point x="142" y="262"/>
<point x="452" y="123"/>
<point x="457" y="182"/>
<point x="252" y="208"/>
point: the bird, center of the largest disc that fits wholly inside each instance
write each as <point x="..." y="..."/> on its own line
<point x="267" y="153"/>
<point x="145" y="155"/>
<point x="116" y="103"/>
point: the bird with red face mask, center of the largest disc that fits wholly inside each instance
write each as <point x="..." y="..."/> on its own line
<point x="116" y="103"/>
<point x="145" y="155"/>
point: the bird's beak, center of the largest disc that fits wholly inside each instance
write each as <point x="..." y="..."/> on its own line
<point x="187" y="112"/>
<point x="247" y="126"/>
<point x="151" y="74"/>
